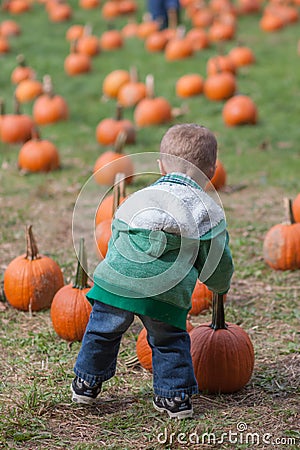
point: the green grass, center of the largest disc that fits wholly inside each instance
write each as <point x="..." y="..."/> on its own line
<point x="35" y="407"/>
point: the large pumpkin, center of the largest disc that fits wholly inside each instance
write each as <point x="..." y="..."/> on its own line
<point x="222" y="353"/>
<point x="70" y="309"/>
<point x="281" y="246"/>
<point x="31" y="280"/>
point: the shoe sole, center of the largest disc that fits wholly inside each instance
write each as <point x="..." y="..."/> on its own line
<point x="82" y="399"/>
<point x="179" y="415"/>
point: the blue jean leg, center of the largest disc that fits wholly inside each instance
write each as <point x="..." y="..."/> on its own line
<point x="97" y="358"/>
<point x="173" y="371"/>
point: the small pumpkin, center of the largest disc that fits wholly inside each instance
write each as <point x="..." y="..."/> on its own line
<point x="239" y="110"/>
<point x="49" y="107"/>
<point x="103" y="230"/>
<point x="113" y="82"/>
<point x="201" y="299"/>
<point x="152" y="110"/>
<point x="28" y="89"/>
<point x="38" y="155"/>
<point x="241" y="56"/>
<point x="109" y="128"/>
<point x="88" y="43"/>
<point x="4" y="45"/>
<point x="74" y="32"/>
<point x="220" y="63"/>
<point x="198" y="38"/>
<point x="220" y="176"/>
<point x="10" y="28"/>
<point x="32" y="279"/>
<point x="189" y="85"/>
<point x="15" y="127"/>
<point x="143" y="349"/>
<point x="112" y="162"/>
<point x="222" y="353"/>
<point x="133" y="91"/>
<point x="77" y="63"/>
<point x="111" y="40"/>
<point x="179" y="47"/>
<point x="70" y="309"/>
<point x="220" y="86"/>
<point x="281" y="246"/>
<point x="22" y="71"/>
<point x="107" y="207"/>
<point x="156" y="41"/>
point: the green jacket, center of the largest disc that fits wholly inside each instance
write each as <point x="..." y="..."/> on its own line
<point x="152" y="271"/>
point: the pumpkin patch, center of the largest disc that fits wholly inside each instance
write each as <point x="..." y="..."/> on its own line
<point x="234" y="67"/>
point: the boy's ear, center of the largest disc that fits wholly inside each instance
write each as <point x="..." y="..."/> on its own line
<point x="161" y="167"/>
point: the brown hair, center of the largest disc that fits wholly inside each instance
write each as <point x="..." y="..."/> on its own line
<point x="191" y="142"/>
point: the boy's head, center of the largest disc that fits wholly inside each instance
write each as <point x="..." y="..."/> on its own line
<point x="188" y="148"/>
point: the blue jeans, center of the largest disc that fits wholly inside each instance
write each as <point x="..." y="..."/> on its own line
<point x="173" y="372"/>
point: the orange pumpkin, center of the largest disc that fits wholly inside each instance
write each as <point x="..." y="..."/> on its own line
<point x="220" y="86"/>
<point x="15" y="127"/>
<point x="239" y="110"/>
<point x="28" y="89"/>
<point x="156" y="41"/>
<point x="198" y="38"/>
<point x="220" y="63"/>
<point x="112" y="162"/>
<point x="222" y="353"/>
<point x="111" y="40"/>
<point x="77" y="63"/>
<point x="108" y="205"/>
<point x="9" y="28"/>
<point x="178" y="48"/>
<point x="32" y="279"/>
<point x="241" y="56"/>
<point x="22" y="71"/>
<point x="70" y="309"/>
<point x="88" y="43"/>
<point x="220" y="176"/>
<point x="89" y="4"/>
<point x="201" y="299"/>
<point x="189" y="85"/>
<point x="281" y="246"/>
<point x="108" y="129"/>
<point x="4" y="45"/>
<point x="74" y="32"/>
<point x="132" y="92"/>
<point x="49" y="107"/>
<point x="152" y="110"/>
<point x="113" y="82"/>
<point x="38" y="155"/>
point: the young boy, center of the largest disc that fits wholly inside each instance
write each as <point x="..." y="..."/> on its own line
<point x="164" y="237"/>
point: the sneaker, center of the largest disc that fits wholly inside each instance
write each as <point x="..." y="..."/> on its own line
<point x="82" y="392"/>
<point x="177" y="407"/>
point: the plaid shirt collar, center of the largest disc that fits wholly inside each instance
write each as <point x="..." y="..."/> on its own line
<point x="178" y="178"/>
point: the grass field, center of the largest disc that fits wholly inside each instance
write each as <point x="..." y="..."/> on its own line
<point x="263" y="159"/>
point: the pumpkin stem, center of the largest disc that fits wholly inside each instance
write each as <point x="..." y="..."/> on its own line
<point x="218" y="315"/>
<point x="133" y="73"/>
<point x="2" y="107"/>
<point x="21" y="60"/>
<point x="31" y="248"/>
<point x="120" y="141"/>
<point x="17" y="107"/>
<point x="288" y="206"/>
<point x="149" y="82"/>
<point x="48" y="86"/>
<point x="81" y="278"/>
<point x="119" y="112"/>
<point x="118" y="190"/>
